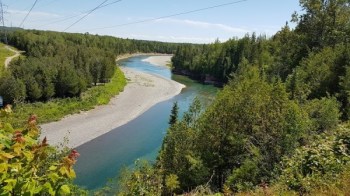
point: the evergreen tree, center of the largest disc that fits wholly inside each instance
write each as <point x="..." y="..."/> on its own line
<point x="12" y="90"/>
<point x="174" y="114"/>
<point x="323" y="22"/>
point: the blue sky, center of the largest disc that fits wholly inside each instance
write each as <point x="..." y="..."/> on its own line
<point x="260" y="16"/>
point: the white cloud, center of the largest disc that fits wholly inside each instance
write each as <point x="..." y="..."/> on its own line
<point x="34" y="19"/>
<point x="205" y="25"/>
<point x="169" y="38"/>
<point x="33" y="13"/>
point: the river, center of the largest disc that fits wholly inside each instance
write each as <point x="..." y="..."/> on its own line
<point x="102" y="158"/>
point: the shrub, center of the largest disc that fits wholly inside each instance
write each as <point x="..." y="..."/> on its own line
<point x="32" y="167"/>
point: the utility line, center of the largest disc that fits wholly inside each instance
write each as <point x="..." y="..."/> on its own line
<point x="168" y="16"/>
<point x="76" y="15"/>
<point x="85" y="15"/>
<point x="28" y="13"/>
<point x="2" y="19"/>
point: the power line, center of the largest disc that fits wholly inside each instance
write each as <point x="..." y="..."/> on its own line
<point x="85" y="15"/>
<point x="28" y="13"/>
<point x="76" y="15"/>
<point x="2" y="20"/>
<point x="172" y="15"/>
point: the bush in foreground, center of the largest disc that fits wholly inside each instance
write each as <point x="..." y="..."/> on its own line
<point x="32" y="167"/>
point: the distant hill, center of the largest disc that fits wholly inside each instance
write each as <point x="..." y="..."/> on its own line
<point x="10" y="28"/>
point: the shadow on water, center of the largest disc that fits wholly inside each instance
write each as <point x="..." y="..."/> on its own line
<point x="102" y="158"/>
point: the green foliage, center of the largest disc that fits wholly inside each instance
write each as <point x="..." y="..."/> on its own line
<point x="340" y="186"/>
<point x="190" y="117"/>
<point x="174" y="114"/>
<point x="67" y="84"/>
<point x="215" y="62"/>
<point x="250" y="120"/>
<point x="324" y="113"/>
<point x="172" y="182"/>
<point x="58" y="108"/>
<point x="321" y="168"/>
<point x="287" y="53"/>
<point x="178" y="155"/>
<point x="29" y="167"/>
<point x="282" y="104"/>
<point x="244" y="177"/>
<point x="312" y="58"/>
<point x="60" y="65"/>
<point x="318" y="74"/>
<point x="249" y="127"/>
<point x="201" y="191"/>
<point x="319" y="163"/>
<point x="329" y="184"/>
<point x="12" y="90"/>
<point x="323" y="23"/>
<point x="142" y="180"/>
<point x="345" y="93"/>
<point x="33" y="89"/>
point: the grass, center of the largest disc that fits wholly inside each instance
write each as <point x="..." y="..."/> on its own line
<point x="169" y="64"/>
<point x="4" y="53"/>
<point x="56" y="109"/>
<point x="340" y="186"/>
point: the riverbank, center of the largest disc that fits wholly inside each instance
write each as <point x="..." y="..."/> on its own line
<point x="159" y="60"/>
<point x="157" y="55"/>
<point x="141" y="93"/>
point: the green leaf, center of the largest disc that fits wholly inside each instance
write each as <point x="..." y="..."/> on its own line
<point x="65" y="189"/>
<point x="63" y="170"/>
<point x="52" y="168"/>
<point x="10" y="184"/>
<point x="54" y="177"/>
<point x="8" y="128"/>
<point x="29" y="155"/>
<point x="49" y="188"/>
<point x="3" y="167"/>
<point x="5" y="156"/>
<point x="17" y="148"/>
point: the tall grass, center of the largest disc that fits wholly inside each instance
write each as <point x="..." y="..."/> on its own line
<point x="56" y="109"/>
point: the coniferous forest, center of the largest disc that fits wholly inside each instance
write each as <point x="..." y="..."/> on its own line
<point x="279" y="126"/>
<point x="59" y="65"/>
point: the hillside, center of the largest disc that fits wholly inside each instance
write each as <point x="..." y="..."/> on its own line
<point x="279" y="126"/>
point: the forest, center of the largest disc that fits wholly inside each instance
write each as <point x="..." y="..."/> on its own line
<point x="60" y="65"/>
<point x="280" y="125"/>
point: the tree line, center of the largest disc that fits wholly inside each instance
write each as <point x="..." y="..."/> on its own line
<point x="58" y="65"/>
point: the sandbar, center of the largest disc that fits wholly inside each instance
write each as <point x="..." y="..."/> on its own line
<point x="141" y="93"/>
<point x="158" y="60"/>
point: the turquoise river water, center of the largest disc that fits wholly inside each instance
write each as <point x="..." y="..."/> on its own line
<point x="102" y="158"/>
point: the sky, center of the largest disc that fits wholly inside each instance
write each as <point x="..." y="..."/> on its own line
<point x="122" y="18"/>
